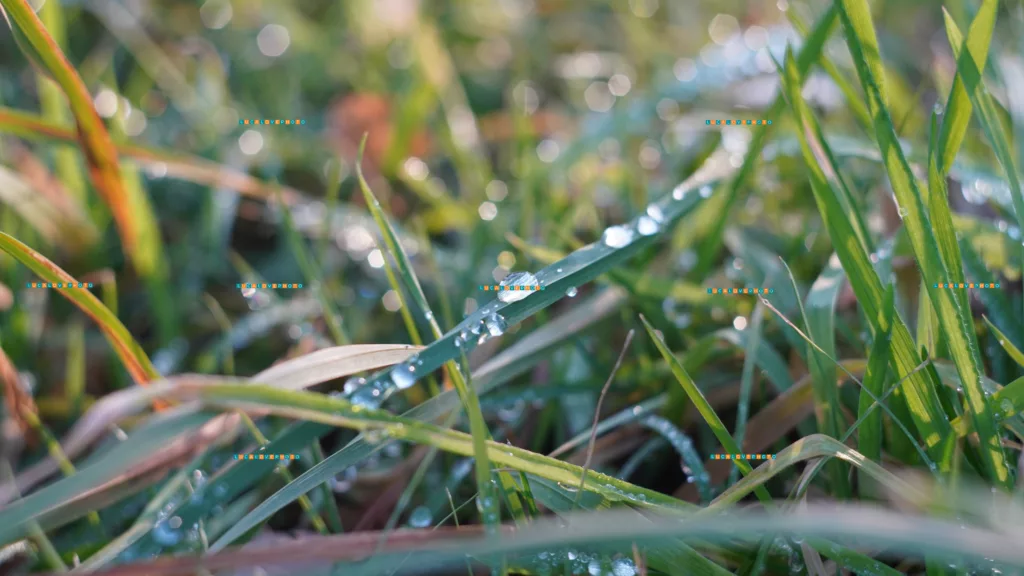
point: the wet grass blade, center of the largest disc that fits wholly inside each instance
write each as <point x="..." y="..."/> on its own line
<point x="100" y="153"/>
<point x="919" y="391"/>
<point x="128" y="350"/>
<point x="512" y="362"/>
<point x="1011" y="349"/>
<point x="956" y="322"/>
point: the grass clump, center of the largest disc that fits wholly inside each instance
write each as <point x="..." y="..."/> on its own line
<point x="858" y="412"/>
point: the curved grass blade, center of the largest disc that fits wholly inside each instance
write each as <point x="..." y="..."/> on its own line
<point x="127" y="349"/>
<point x="919" y="392"/>
<point x="1011" y="349"/>
<point x="956" y="323"/>
<point x="100" y="153"/>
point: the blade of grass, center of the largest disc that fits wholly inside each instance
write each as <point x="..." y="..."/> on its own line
<point x="127" y="349"/>
<point x="821" y="330"/>
<point x="957" y="324"/>
<point x="1011" y="349"/>
<point x="702" y="405"/>
<point x="753" y="333"/>
<point x="100" y="153"/>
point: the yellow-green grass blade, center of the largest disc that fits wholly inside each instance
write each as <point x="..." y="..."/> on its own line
<point x="1011" y="349"/>
<point x="869" y="434"/>
<point x="958" y="105"/>
<point x="128" y="350"/>
<point x="718" y="208"/>
<point x="920" y="393"/>
<point x="956" y="322"/>
<point x="1007" y="402"/>
<point x="702" y="405"/>
<point x="100" y="153"/>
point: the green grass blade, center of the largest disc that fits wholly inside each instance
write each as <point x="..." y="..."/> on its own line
<point x="702" y="405"/>
<point x="869" y="436"/>
<point x="507" y="365"/>
<point x="956" y="322"/>
<point x="820" y="322"/>
<point x="1006" y="344"/>
<point x="920" y="394"/>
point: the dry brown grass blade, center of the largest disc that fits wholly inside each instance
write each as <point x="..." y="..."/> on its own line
<point x="100" y="153"/>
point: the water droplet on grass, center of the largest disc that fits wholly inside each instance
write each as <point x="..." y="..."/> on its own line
<point x="571" y="292"/>
<point x="495" y="324"/>
<point x="655" y="213"/>
<point x="420" y="517"/>
<point x="517" y="279"/>
<point x="623" y="567"/>
<point x="617" y="236"/>
<point x="646" y="226"/>
<point x="403" y="376"/>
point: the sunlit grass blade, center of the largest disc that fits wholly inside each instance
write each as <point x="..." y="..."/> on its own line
<point x="920" y="394"/>
<point x="869" y="436"/>
<point x="956" y="322"/>
<point x="128" y="350"/>
<point x="958" y="105"/>
<point x="1007" y="344"/>
<point x="100" y="153"/>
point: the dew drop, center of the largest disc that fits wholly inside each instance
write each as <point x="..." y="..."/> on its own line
<point x="495" y="324"/>
<point x="617" y="236"/>
<point x="403" y="376"/>
<point x="678" y="193"/>
<point x="646" y="226"/>
<point x="571" y="292"/>
<point x="623" y="567"/>
<point x="655" y="213"/>
<point x="705" y="191"/>
<point x="420" y="517"/>
<point x="517" y="279"/>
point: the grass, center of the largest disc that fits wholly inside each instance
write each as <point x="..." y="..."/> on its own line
<point x="516" y="436"/>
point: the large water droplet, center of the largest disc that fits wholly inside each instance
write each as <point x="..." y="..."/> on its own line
<point x="495" y="324"/>
<point x="517" y="279"/>
<point x="353" y="384"/>
<point x="420" y="517"/>
<point x="623" y="567"/>
<point x="646" y="226"/>
<point x="403" y="376"/>
<point x="678" y="192"/>
<point x="571" y="292"/>
<point x="1007" y="406"/>
<point x="164" y="535"/>
<point x="617" y="236"/>
<point x="705" y="191"/>
<point x="655" y="213"/>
